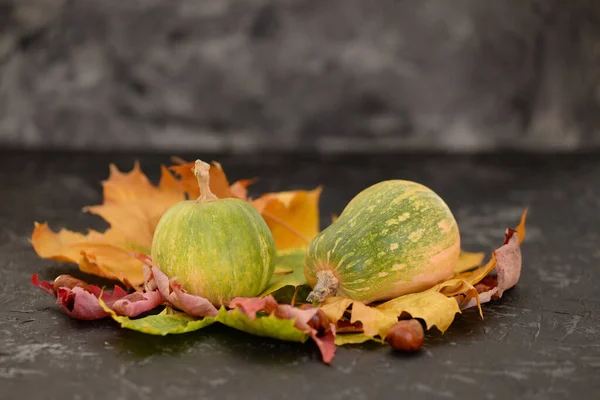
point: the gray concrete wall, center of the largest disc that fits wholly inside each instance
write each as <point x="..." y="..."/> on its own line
<point x="331" y="75"/>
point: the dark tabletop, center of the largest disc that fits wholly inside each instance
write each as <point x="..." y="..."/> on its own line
<point x="540" y="341"/>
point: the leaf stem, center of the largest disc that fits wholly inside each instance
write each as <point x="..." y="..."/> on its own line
<point x="294" y="296"/>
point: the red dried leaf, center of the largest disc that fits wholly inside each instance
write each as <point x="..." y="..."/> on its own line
<point x="326" y="343"/>
<point x="45" y="286"/>
<point x="80" y="300"/>
<point x="325" y="340"/>
<point x="79" y="304"/>
<point x="250" y="306"/>
<point x="136" y="303"/>
<point x="508" y="266"/>
<point x="508" y="262"/>
<point x="195" y="306"/>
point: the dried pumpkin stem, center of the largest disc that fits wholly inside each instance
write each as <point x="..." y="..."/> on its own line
<point x="202" y="172"/>
<point x="327" y="285"/>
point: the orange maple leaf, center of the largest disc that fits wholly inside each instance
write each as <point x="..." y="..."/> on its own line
<point x="293" y="217"/>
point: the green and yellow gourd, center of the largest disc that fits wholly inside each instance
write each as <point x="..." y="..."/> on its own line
<point x="217" y="248"/>
<point x="394" y="238"/>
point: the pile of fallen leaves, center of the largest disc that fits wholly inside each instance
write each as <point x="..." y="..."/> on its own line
<point x="133" y="206"/>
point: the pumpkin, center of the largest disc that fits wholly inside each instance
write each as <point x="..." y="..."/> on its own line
<point x="217" y="248"/>
<point x="394" y="238"/>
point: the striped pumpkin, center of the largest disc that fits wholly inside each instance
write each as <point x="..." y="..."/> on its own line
<point x="217" y="248"/>
<point x="394" y="238"/>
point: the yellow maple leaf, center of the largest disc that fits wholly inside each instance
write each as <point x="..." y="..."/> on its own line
<point x="375" y="321"/>
<point x="292" y="217"/>
<point x="433" y="307"/>
<point x="334" y="307"/>
<point x="468" y="261"/>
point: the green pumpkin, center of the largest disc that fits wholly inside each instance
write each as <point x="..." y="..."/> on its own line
<point x="394" y="238"/>
<point x="217" y="248"/>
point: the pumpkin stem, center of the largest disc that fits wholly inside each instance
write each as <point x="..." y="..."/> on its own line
<point x="327" y="285"/>
<point x="201" y="170"/>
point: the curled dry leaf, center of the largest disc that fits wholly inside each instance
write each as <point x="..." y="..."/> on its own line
<point x="172" y="292"/>
<point x="250" y="306"/>
<point x="508" y="263"/>
<point x="80" y="300"/>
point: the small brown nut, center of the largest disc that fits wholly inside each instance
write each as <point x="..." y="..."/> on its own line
<point x="406" y="335"/>
<point x="67" y="281"/>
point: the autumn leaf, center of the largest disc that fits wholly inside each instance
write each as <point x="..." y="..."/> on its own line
<point x="132" y="206"/>
<point x="258" y="316"/>
<point x="99" y="254"/>
<point x="292" y="217"/>
<point x="335" y="307"/>
<point x="289" y="271"/>
<point x="268" y="326"/>
<point x="507" y="261"/>
<point x="80" y="300"/>
<point x="374" y="321"/>
<point x="355" y="338"/>
<point x="435" y="308"/>
<point x="192" y="305"/>
<point x="244" y="317"/>
<point x="219" y="184"/>
<point x="468" y="261"/>
<point x="161" y="324"/>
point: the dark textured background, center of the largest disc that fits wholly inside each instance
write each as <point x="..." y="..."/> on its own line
<point x="539" y="342"/>
<point x="242" y="75"/>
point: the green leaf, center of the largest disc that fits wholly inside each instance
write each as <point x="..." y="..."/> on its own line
<point x="262" y="325"/>
<point x="162" y="324"/>
<point x="354" y="338"/>
<point x="287" y="293"/>
<point x="289" y="270"/>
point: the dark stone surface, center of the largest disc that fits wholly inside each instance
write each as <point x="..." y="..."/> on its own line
<point x="335" y="76"/>
<point x="539" y="342"/>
